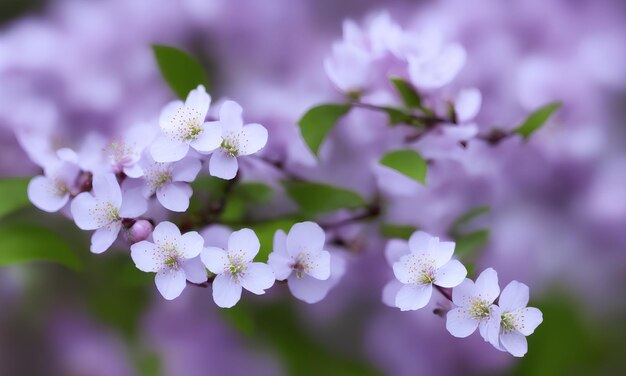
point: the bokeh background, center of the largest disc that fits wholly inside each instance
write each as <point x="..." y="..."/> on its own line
<point x="558" y="202"/>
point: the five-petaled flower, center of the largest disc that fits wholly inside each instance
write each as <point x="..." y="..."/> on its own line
<point x="51" y="192"/>
<point x="173" y="257"/>
<point x="235" y="269"/>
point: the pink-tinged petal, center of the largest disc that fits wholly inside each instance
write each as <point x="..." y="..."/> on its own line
<point x="226" y="292"/>
<point x="487" y="285"/>
<point x="395" y="249"/>
<point x="167" y="114"/>
<point x="134" y="203"/>
<point x="464" y="293"/>
<point x="306" y="288"/>
<point x="460" y="323"/>
<point x="390" y="291"/>
<point x="166" y="234"/>
<point x="186" y="169"/>
<point x="412" y="297"/>
<point x="215" y="259"/>
<point x="317" y="264"/>
<point x="82" y="211"/>
<point x="175" y="196"/>
<point x="529" y="320"/>
<point x="195" y="271"/>
<point x="107" y="189"/>
<point x="209" y="139"/>
<point x="305" y="236"/>
<point x="190" y="244"/>
<point x="514" y="296"/>
<point x="490" y="329"/>
<point x="253" y="138"/>
<point x="421" y="242"/>
<point x="467" y="104"/>
<point x="451" y="274"/>
<point x="43" y="193"/>
<point x="102" y="239"/>
<point x="281" y="264"/>
<point x="199" y="100"/>
<point x="230" y="116"/>
<point x="515" y="343"/>
<point x="244" y="243"/>
<point x="145" y="255"/>
<point x="258" y="278"/>
<point x="405" y="269"/>
<point x="223" y="166"/>
<point x="442" y="253"/>
<point x="133" y="171"/>
<point x="170" y="283"/>
<point x="164" y="149"/>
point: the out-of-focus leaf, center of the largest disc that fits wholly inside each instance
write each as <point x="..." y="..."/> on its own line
<point x="180" y="70"/>
<point x="234" y="210"/>
<point x="13" y="193"/>
<point x="265" y="231"/>
<point x="255" y="192"/>
<point x="315" y="198"/>
<point x="537" y="119"/>
<point x="397" y="231"/>
<point x="21" y="242"/>
<point x="410" y="97"/>
<point x="407" y="162"/>
<point x="398" y="116"/>
<point x="240" y="318"/>
<point x="318" y="121"/>
<point x="468" y="244"/>
<point x="467" y="217"/>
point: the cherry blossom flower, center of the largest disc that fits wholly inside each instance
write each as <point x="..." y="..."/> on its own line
<point x="513" y="320"/>
<point x="173" y="257"/>
<point x="474" y="305"/>
<point x="105" y="209"/>
<point x="238" y="140"/>
<point x="51" y="192"/>
<point x="300" y="258"/>
<point x="235" y="269"/>
<point x="395" y="249"/>
<point x="428" y="263"/>
<point x="437" y="71"/>
<point x="124" y="153"/>
<point x="183" y="125"/>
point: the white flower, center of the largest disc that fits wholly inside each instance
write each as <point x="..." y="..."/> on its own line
<point x="429" y="262"/>
<point x="437" y="71"/>
<point x="474" y="303"/>
<point x="238" y="140"/>
<point x="174" y="257"/>
<point x="105" y="209"/>
<point x="513" y="321"/>
<point x="183" y="126"/>
<point x="395" y="249"/>
<point x="50" y="192"/>
<point x="170" y="181"/>
<point x="235" y="269"/>
<point x="124" y="153"/>
<point x="300" y="258"/>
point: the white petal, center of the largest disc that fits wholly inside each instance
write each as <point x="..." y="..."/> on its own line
<point x="133" y="171"/>
<point x="305" y="236"/>
<point x="513" y="296"/>
<point x="529" y="320"/>
<point x="307" y="289"/>
<point x="279" y="260"/>
<point x="107" y="189"/>
<point x="253" y="138"/>
<point x="390" y="291"/>
<point x="190" y="244"/>
<point x="223" y="166"/>
<point x="209" y="139"/>
<point x="244" y="243"/>
<point x="464" y="293"/>
<point x="170" y="283"/>
<point x="166" y="234"/>
<point x="215" y="259"/>
<point x="487" y="285"/>
<point x="442" y="253"/>
<point x="437" y="72"/>
<point x="199" y="100"/>
<point x="195" y="271"/>
<point x="515" y="343"/>
<point x="467" y="104"/>
<point x="230" y="116"/>
<point x="451" y="274"/>
<point x="145" y="256"/>
<point x="490" y="329"/>
<point x="405" y="268"/>
<point x="167" y="114"/>
<point x="82" y="211"/>
<point x="280" y="242"/>
<point x="258" y="278"/>
<point x="186" y="169"/>
<point x="317" y="264"/>
<point x="412" y="297"/>
<point x="420" y="242"/>
<point x="164" y="149"/>
<point x="395" y="249"/>
<point x="226" y="293"/>
<point x="102" y="239"/>
<point x="44" y="195"/>
<point x="459" y="323"/>
<point x="175" y="196"/>
<point x="134" y="203"/>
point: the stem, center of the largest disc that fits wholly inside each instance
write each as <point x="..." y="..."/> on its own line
<point x="372" y="211"/>
<point x="280" y="166"/>
<point x="447" y="293"/>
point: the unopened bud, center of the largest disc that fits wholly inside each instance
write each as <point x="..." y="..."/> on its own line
<point x="140" y="230"/>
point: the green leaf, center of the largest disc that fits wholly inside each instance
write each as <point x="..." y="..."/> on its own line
<point x="398" y="116"/>
<point x="409" y="96"/>
<point x="318" y="121"/>
<point x="20" y="242"/>
<point x="537" y="119"/>
<point x="397" y="231"/>
<point x="468" y="244"/>
<point x="467" y="217"/>
<point x="255" y="192"/>
<point x="180" y="70"/>
<point x="315" y="198"/>
<point x="13" y="193"/>
<point x="407" y="162"/>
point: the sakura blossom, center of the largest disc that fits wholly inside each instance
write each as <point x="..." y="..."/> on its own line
<point x="52" y="191"/>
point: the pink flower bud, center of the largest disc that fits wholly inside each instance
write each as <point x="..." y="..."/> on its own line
<point x="139" y="231"/>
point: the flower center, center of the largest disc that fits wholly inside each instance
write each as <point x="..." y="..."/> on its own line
<point x="118" y="152"/>
<point x="230" y="144"/>
<point x="509" y="321"/>
<point x="426" y="270"/>
<point x="479" y="309"/>
<point x="236" y="266"/>
<point x="158" y="175"/>
<point x="303" y="264"/>
<point x="59" y="188"/>
<point x="188" y="124"/>
<point x="105" y="213"/>
<point x="171" y="257"/>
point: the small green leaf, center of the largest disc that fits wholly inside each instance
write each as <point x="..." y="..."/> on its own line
<point x="468" y="244"/>
<point x="315" y="198"/>
<point x="180" y="70"/>
<point x="318" y="121"/>
<point x="255" y="192"/>
<point x="410" y="97"/>
<point x="20" y="242"/>
<point x="13" y="193"/>
<point x="398" y="116"/>
<point x="407" y="162"/>
<point x="537" y="119"/>
<point x="467" y="217"/>
<point x="389" y="230"/>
